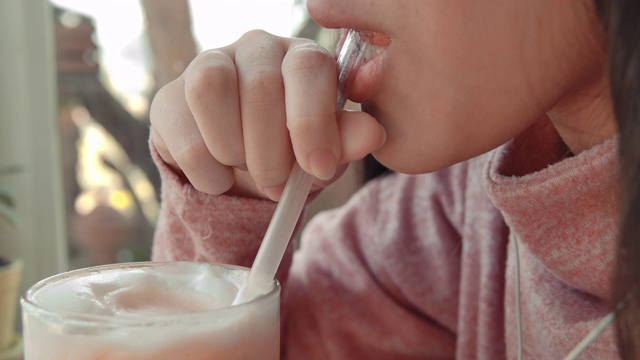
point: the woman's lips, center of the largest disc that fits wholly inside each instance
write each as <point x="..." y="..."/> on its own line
<point x="369" y="75"/>
<point x="379" y="39"/>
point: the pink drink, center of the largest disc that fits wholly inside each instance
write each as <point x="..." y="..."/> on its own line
<point x="159" y="311"/>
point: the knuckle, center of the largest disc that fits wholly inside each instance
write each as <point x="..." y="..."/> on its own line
<point x="231" y="157"/>
<point x="215" y="188"/>
<point x="270" y="173"/>
<point x="307" y="57"/>
<point x="309" y="125"/>
<point x="256" y="34"/>
<point x="193" y="156"/>
<point x="269" y="178"/>
<point x="159" y="104"/>
<point x="264" y="85"/>
<point x="210" y="78"/>
<point x="195" y="161"/>
<point x="301" y="124"/>
<point x="156" y="138"/>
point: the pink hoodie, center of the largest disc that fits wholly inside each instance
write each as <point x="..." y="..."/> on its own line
<point x="421" y="267"/>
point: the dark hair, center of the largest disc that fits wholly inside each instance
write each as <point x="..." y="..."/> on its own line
<point x="622" y="22"/>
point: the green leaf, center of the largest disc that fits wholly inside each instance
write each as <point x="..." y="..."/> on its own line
<point x="8" y="214"/>
<point x="6" y="197"/>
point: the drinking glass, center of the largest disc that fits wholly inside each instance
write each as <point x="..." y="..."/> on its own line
<point x="149" y="310"/>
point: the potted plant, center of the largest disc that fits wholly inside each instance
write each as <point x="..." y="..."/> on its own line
<point x="10" y="277"/>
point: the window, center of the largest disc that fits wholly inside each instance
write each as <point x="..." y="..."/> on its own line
<point x="77" y="78"/>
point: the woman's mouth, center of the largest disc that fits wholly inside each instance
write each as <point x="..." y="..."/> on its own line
<point x="367" y="77"/>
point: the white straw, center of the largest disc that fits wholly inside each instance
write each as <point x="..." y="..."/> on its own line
<point x="277" y="236"/>
<point x="297" y="188"/>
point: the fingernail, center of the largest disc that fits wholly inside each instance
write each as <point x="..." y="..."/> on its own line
<point x="323" y="164"/>
<point x="384" y="138"/>
<point x="273" y="192"/>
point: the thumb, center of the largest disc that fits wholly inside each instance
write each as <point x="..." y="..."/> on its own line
<point x="360" y="135"/>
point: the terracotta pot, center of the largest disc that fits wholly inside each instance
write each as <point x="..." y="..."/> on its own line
<point x="10" y="277"/>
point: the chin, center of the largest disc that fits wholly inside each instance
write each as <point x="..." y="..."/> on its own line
<point x="411" y="157"/>
<point x="406" y="164"/>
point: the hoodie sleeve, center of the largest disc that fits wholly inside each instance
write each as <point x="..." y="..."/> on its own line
<point x="379" y="277"/>
<point x="194" y="226"/>
<point x="366" y="282"/>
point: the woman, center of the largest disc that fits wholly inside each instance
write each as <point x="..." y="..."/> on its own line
<point x="502" y="112"/>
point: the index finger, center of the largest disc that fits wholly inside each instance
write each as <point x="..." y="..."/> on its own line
<point x="310" y="80"/>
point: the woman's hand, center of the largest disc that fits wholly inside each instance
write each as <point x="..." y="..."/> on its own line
<point x="238" y="117"/>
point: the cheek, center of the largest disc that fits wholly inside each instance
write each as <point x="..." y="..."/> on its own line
<point x="429" y="144"/>
<point x="442" y="105"/>
<point x="440" y="123"/>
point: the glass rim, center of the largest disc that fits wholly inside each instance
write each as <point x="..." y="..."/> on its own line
<point x="76" y="318"/>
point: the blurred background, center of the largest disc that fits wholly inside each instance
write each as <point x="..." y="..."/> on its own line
<point x="77" y="184"/>
<point x="112" y="56"/>
<point x="76" y="81"/>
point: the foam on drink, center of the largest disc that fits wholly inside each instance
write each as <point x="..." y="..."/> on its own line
<point x="149" y="311"/>
<point x="144" y="291"/>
